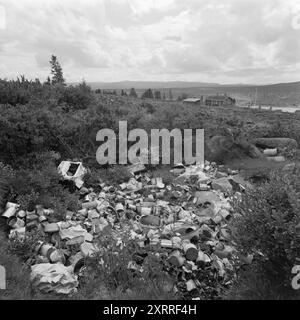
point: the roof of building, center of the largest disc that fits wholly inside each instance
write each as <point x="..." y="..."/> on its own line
<point x="192" y="100"/>
<point x="219" y="97"/>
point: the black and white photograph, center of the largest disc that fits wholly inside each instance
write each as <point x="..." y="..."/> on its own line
<point x="149" y="154"/>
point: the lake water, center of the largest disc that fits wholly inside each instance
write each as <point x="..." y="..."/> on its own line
<point x="284" y="109"/>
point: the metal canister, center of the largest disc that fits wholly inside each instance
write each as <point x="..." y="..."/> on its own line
<point x="42" y="219"/>
<point x="15" y="222"/>
<point x="131" y="206"/>
<point x="190" y="250"/>
<point x="31" y="224"/>
<point x="57" y="256"/>
<point x="119" y="207"/>
<point x="176" y="259"/>
<point x="145" y="211"/>
<point x="160" y="195"/>
<point x="75" y="241"/>
<point x="21" y="214"/>
<point x="44" y="249"/>
<point x="77" y="262"/>
<point x="9" y="212"/>
<point x="31" y="217"/>
<point x="90" y="205"/>
<point x="39" y="209"/>
<point x="11" y="204"/>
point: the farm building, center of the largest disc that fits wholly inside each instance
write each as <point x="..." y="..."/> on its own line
<point x="193" y="100"/>
<point x="219" y="100"/>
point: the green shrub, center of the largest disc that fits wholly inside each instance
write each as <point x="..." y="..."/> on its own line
<point x="41" y="184"/>
<point x="25" y="248"/>
<point x="267" y="227"/>
<point x="110" y="268"/>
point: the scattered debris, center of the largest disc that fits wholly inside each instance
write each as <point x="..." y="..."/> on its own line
<point x="55" y="278"/>
<point x="185" y="222"/>
<point x="73" y="171"/>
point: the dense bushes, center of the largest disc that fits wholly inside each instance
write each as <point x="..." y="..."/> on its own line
<point x="129" y="271"/>
<point x="267" y="225"/>
<point x="39" y="184"/>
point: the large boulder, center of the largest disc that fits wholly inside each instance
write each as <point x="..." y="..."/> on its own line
<point x="223" y="148"/>
<point x="276" y="143"/>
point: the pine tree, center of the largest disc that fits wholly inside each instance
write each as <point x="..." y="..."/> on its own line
<point x="56" y="71"/>
<point x="148" y="94"/>
<point x="132" y="93"/>
<point x="157" y="95"/>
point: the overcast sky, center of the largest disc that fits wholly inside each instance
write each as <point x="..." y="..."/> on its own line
<point x="224" y="41"/>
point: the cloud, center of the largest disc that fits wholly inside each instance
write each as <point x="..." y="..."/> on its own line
<point x="112" y="40"/>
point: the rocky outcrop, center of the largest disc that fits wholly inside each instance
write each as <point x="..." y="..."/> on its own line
<point x="276" y="143"/>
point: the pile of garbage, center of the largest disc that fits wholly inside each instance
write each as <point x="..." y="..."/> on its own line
<point x="185" y="221"/>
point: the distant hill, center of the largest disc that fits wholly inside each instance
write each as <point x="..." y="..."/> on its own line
<point x="149" y="84"/>
<point x="178" y="84"/>
<point x="278" y="94"/>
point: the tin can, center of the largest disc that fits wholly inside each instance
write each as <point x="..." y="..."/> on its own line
<point x="119" y="207"/>
<point x="21" y="214"/>
<point x="190" y="250"/>
<point x="145" y="211"/>
<point x="31" y="217"/>
<point x="77" y="262"/>
<point x="157" y="210"/>
<point x="57" y="256"/>
<point x="165" y="243"/>
<point x="31" y="224"/>
<point x="51" y="228"/>
<point x="15" y="222"/>
<point x="10" y="212"/>
<point x="75" y="241"/>
<point x="42" y="219"/>
<point x="90" y="205"/>
<point x="176" y="259"/>
<point x="160" y="195"/>
<point x="44" y="248"/>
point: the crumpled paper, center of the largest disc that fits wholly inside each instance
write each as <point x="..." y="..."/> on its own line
<point x="73" y="232"/>
<point x="56" y="278"/>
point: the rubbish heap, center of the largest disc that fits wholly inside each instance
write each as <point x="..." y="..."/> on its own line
<point x="185" y="222"/>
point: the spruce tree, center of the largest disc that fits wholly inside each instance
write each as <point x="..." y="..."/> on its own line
<point x="56" y="71"/>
